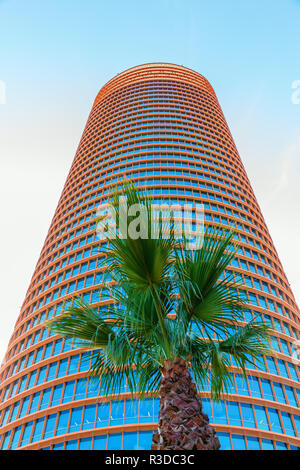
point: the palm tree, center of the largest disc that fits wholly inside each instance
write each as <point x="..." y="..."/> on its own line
<point x="175" y="319"/>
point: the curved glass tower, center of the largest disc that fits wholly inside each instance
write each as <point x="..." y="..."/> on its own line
<point x="160" y="125"/>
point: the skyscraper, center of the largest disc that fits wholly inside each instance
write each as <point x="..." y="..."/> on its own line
<point x="161" y="126"/>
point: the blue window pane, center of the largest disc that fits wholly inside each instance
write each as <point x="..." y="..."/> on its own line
<point x="234" y="413"/>
<point x="50" y="425"/>
<point x="62" y="368"/>
<point x="271" y="365"/>
<point x="52" y="371"/>
<point x="6" y="440"/>
<point x="73" y="367"/>
<point x="56" y="397"/>
<point x="85" y="362"/>
<point x="16" y="438"/>
<point x="291" y="396"/>
<point x="287" y="422"/>
<point x="207" y="407"/>
<point x="5" y="416"/>
<point x="241" y="384"/>
<point x="71" y="445"/>
<point x="219" y="412"/>
<point x="254" y="386"/>
<point x="38" y="355"/>
<point x="267" y="389"/>
<point x="282" y="368"/>
<point x="30" y="359"/>
<point x="267" y="444"/>
<point x="279" y="392"/>
<point x="146" y="410"/>
<point x="63" y="420"/>
<point x="285" y="347"/>
<point x="42" y="375"/>
<point x="261" y="418"/>
<point x="103" y="414"/>
<point x="32" y="379"/>
<point x="27" y="433"/>
<point x="58" y="446"/>
<point x="297" y="423"/>
<point x="67" y="344"/>
<point x="248" y="415"/>
<point x="130" y="441"/>
<point x="100" y="442"/>
<point x="253" y="443"/>
<point x="224" y="439"/>
<point x="45" y="399"/>
<point x="131" y="411"/>
<point x="48" y="350"/>
<point x="75" y="422"/>
<point x="293" y="372"/>
<point x="37" y="434"/>
<point x="14" y="388"/>
<point x="57" y="347"/>
<point x="117" y="412"/>
<point x="238" y="442"/>
<point x="145" y="440"/>
<point x="275" y="420"/>
<point x="15" y="411"/>
<point x="281" y="445"/>
<point x="69" y="391"/>
<point x="93" y="387"/>
<point x="89" y="417"/>
<point x="156" y="409"/>
<point x="85" y="444"/>
<point x="115" y="441"/>
<point x="24" y="407"/>
<point x="34" y="402"/>
<point x="80" y="389"/>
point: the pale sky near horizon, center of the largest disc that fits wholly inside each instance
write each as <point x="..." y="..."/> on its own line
<point x="56" y="55"/>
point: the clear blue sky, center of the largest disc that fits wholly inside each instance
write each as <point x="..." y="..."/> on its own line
<point x="55" y="55"/>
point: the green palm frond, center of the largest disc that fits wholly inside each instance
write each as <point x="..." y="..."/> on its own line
<point x="137" y="361"/>
<point x="206" y="298"/>
<point x="205" y="265"/>
<point x="209" y="366"/>
<point x="148" y="374"/>
<point x="114" y="363"/>
<point x="85" y="323"/>
<point x="251" y="340"/>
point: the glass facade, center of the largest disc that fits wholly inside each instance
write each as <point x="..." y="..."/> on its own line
<point x="161" y="126"/>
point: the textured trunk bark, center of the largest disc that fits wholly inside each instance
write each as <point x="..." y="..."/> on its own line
<point x="182" y="424"/>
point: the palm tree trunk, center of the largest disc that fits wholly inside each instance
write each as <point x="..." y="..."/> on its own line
<point x="182" y="425"/>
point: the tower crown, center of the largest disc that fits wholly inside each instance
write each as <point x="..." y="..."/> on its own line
<point x="154" y="71"/>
